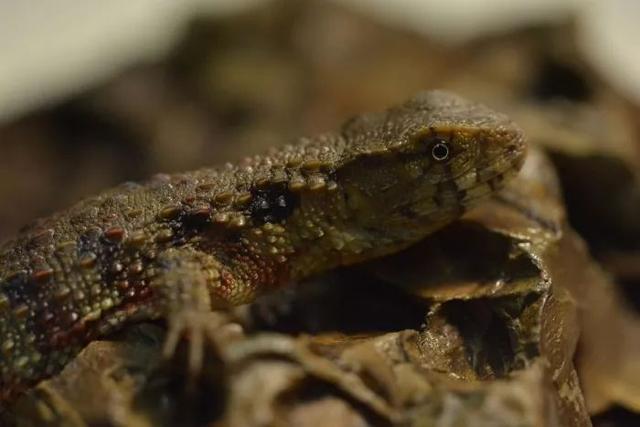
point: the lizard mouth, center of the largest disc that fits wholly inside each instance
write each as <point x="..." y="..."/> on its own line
<point x="506" y="164"/>
<point x="509" y="158"/>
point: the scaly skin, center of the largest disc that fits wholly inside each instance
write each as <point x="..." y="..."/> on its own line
<point x="180" y="246"/>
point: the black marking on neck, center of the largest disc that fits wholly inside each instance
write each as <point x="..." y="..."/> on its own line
<point x="272" y="203"/>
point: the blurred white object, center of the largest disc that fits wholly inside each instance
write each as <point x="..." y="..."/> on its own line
<point x="457" y="21"/>
<point x="52" y="48"/>
<point x="609" y="37"/>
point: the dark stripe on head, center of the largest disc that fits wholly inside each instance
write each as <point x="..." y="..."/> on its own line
<point x="481" y="159"/>
<point x="448" y="186"/>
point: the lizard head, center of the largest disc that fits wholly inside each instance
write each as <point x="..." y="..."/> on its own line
<point x="418" y="166"/>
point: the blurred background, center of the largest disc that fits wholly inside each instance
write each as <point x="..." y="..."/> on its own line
<point x="96" y="93"/>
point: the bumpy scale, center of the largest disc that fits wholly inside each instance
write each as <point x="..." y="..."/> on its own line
<point x="180" y="246"/>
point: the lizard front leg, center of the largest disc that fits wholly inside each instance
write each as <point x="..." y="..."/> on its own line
<point x="187" y="283"/>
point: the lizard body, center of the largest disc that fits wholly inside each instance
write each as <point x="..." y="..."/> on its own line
<point x="183" y="245"/>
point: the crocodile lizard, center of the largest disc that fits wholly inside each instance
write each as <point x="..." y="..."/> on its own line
<point x="182" y="246"/>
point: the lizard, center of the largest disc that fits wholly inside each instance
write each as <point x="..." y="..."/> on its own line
<point x="180" y="247"/>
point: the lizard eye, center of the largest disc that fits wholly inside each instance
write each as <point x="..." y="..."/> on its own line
<point x="440" y="151"/>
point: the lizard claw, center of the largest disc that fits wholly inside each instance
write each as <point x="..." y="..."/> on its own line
<point x="201" y="329"/>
